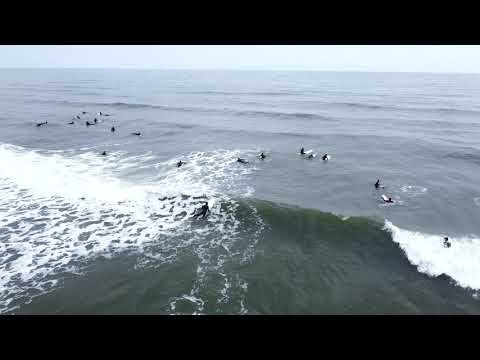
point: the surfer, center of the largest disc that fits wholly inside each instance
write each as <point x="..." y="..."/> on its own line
<point x="377" y="184"/>
<point x="88" y="123"/>
<point x="104" y="153"/>
<point x="77" y="117"/>
<point x="180" y="163"/>
<point x="302" y="151"/>
<point x="95" y="120"/>
<point x="137" y="133"/>
<point x="387" y="200"/>
<point x="112" y="129"/>
<point x="44" y="123"/>
<point x="100" y="113"/>
<point x="71" y="122"/>
<point x="202" y="211"/>
<point x="446" y="243"/>
<point x="325" y="157"/>
<point x="243" y="161"/>
<point x="262" y="156"/>
<point x="84" y="112"/>
<point x="310" y="156"/>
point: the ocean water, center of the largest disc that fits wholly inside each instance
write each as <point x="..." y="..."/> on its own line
<point x="82" y="233"/>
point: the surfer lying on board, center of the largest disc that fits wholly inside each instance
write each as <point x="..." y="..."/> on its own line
<point x="311" y="156"/>
<point x="202" y="211"/>
<point x="387" y="200"/>
<point x="43" y="123"/>
<point x="243" y="161"/>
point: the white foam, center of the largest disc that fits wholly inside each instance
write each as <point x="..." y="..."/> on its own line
<point x="46" y="229"/>
<point x="413" y="190"/>
<point x="461" y="261"/>
<point x="477" y="201"/>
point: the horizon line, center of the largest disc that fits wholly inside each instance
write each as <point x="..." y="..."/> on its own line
<point x="232" y="69"/>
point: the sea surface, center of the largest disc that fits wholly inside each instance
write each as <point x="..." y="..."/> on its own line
<point x="82" y="233"/>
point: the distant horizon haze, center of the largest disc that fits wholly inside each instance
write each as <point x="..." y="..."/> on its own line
<point x="463" y="59"/>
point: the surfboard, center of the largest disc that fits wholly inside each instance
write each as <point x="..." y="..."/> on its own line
<point x="385" y="198"/>
<point x="308" y="152"/>
<point x="211" y="203"/>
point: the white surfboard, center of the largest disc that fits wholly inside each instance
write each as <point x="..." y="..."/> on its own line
<point x="211" y="203"/>
<point x="385" y="198"/>
<point x="306" y="152"/>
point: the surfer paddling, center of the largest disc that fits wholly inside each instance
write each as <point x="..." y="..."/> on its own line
<point x="202" y="211"/>
<point x="387" y="199"/>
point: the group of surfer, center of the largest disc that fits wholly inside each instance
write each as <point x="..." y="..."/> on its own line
<point x="385" y="198"/>
<point x="446" y="242"/>
<point x="88" y="123"/>
<point x="204" y="209"/>
<point x="311" y="155"/>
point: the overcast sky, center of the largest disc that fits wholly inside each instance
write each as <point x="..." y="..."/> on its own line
<point x="415" y="58"/>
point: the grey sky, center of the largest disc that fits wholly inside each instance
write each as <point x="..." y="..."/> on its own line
<point x="415" y="58"/>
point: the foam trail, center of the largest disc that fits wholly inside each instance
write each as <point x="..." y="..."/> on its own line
<point x="46" y="230"/>
<point x="461" y="261"/>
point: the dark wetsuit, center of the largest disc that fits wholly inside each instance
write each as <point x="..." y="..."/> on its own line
<point x="262" y="156"/>
<point x="71" y="123"/>
<point x="104" y="153"/>
<point x="136" y="133"/>
<point x="446" y="243"/>
<point x="202" y="211"/>
<point x="95" y="120"/>
<point x="243" y="161"/>
<point x="40" y="124"/>
<point x="180" y="163"/>
<point x="325" y="157"/>
<point x="302" y="151"/>
<point x="112" y="129"/>
<point x="88" y="123"/>
<point x="377" y="184"/>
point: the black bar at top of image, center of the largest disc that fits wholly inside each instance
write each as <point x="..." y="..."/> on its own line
<point x="347" y="24"/>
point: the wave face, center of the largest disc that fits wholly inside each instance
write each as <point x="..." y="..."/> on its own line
<point x="461" y="261"/>
<point x="58" y="212"/>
